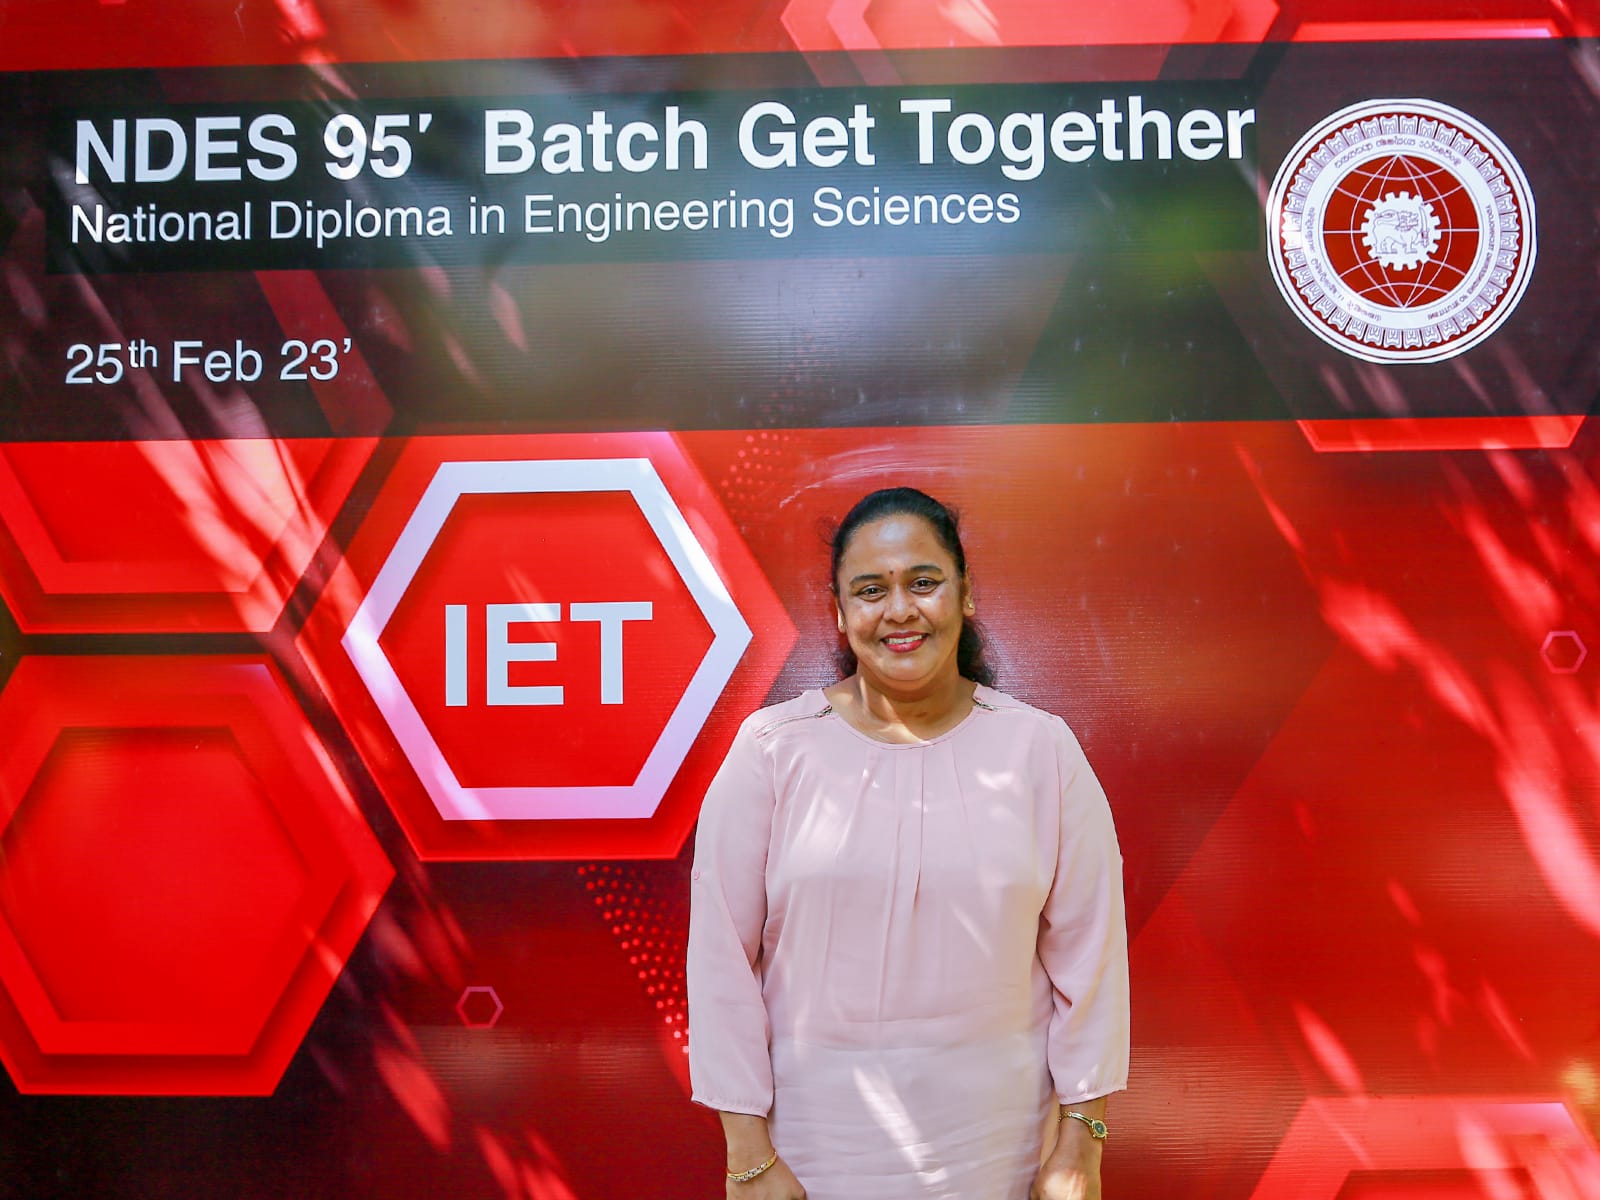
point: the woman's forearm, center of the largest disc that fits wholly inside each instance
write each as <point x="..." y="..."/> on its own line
<point x="1075" y="1141"/>
<point x="749" y="1144"/>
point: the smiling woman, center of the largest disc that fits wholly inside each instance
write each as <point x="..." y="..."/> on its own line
<point x="907" y="954"/>
<point x="898" y="565"/>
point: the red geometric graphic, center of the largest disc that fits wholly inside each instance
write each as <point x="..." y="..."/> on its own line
<point x="1401" y="900"/>
<point x="182" y="875"/>
<point x="898" y="25"/>
<point x="542" y="645"/>
<point x="1547" y="432"/>
<point x="82" y="34"/>
<point x="1344" y="1146"/>
<point x="480" y="1007"/>
<point x="1564" y="651"/>
<point x="165" y="537"/>
<point x="1446" y="29"/>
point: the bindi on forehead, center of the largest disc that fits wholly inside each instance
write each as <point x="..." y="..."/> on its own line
<point x="880" y="549"/>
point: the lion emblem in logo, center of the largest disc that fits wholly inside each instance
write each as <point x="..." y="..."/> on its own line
<point x="1400" y="231"/>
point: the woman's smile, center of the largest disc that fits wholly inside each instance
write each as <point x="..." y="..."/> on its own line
<point x="904" y="643"/>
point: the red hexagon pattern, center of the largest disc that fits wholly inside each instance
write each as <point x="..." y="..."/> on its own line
<point x="182" y="875"/>
<point x="165" y="537"/>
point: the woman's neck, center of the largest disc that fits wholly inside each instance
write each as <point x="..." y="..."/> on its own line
<point x="902" y="716"/>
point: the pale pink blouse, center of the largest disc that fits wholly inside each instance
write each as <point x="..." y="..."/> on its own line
<point x="903" y="955"/>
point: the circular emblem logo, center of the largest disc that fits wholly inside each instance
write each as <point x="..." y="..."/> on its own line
<point x="1401" y="231"/>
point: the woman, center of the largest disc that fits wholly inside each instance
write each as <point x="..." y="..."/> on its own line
<point x="907" y="955"/>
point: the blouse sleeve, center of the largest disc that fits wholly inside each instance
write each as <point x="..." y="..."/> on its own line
<point x="1083" y="941"/>
<point x="730" y="1063"/>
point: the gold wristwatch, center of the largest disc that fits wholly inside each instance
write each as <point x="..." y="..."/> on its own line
<point x="1097" y="1128"/>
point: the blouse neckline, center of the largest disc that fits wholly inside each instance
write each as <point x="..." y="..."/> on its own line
<point x="979" y="704"/>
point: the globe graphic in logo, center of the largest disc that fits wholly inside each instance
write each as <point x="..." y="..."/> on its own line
<point x="1402" y="231"/>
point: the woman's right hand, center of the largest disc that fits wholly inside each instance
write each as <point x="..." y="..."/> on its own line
<point x="749" y="1144"/>
<point x="777" y="1182"/>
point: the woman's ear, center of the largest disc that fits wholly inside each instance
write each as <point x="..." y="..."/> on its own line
<point x="967" y="605"/>
<point x="839" y="616"/>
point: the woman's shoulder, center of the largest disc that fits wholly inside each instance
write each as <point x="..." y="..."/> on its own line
<point x="1049" y="736"/>
<point x="766" y="722"/>
<point x="989" y="699"/>
<point x="1026" y="717"/>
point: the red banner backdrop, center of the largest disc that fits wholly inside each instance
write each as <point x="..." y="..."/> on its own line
<point x="356" y="723"/>
<point x="1338" y="699"/>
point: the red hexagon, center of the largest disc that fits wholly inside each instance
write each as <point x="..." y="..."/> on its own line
<point x="182" y="875"/>
<point x="1368" y="434"/>
<point x="1378" y="1145"/>
<point x="172" y="536"/>
<point x="895" y="25"/>
<point x="467" y="528"/>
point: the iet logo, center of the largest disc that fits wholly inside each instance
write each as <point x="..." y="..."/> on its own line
<point x="546" y="639"/>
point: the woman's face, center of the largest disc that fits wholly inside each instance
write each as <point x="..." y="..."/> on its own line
<point x="901" y="603"/>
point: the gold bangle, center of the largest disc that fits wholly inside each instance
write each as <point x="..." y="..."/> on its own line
<point x="747" y="1176"/>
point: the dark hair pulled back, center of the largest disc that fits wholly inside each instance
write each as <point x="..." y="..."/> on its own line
<point x="945" y="523"/>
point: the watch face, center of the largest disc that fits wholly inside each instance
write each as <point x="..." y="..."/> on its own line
<point x="1099" y="1128"/>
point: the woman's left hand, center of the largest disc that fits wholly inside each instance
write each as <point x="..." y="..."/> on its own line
<point x="1071" y="1168"/>
<point x="1057" y="1181"/>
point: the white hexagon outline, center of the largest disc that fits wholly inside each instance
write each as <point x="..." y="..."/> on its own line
<point x="730" y="636"/>
<point x="1565" y="635"/>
